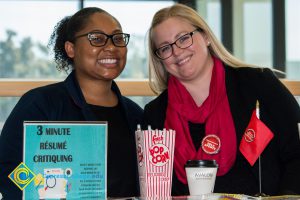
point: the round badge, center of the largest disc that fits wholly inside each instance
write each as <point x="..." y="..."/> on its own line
<point x="211" y="144"/>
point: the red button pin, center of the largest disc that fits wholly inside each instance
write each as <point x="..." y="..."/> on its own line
<point x="211" y="144"/>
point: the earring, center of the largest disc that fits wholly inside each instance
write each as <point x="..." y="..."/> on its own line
<point x="208" y="43"/>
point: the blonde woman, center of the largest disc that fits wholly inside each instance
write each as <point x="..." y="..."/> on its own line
<point x="205" y="94"/>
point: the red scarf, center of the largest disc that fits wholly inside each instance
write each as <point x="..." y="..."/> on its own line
<point x="214" y="113"/>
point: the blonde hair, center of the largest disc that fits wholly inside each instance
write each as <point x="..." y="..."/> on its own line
<point x="158" y="76"/>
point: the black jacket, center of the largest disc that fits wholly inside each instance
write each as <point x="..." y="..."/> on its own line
<point x="279" y="110"/>
<point x="61" y="101"/>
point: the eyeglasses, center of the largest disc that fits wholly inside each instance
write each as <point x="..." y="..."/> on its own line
<point x="183" y="42"/>
<point x="98" y="39"/>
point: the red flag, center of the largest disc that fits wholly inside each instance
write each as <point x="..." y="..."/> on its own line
<point x="255" y="139"/>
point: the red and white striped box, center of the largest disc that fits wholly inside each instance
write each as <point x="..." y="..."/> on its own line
<point x="155" y="153"/>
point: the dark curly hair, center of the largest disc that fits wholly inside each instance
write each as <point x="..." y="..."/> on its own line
<point x="65" y="30"/>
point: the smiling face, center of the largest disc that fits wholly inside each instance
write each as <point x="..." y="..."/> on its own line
<point x="185" y="64"/>
<point x="100" y="63"/>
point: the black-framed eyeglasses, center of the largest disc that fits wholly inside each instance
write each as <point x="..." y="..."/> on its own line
<point x="98" y="39"/>
<point x="182" y="42"/>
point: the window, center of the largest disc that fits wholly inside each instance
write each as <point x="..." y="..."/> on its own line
<point x="210" y="10"/>
<point x="292" y="17"/>
<point x="24" y="36"/>
<point x="252" y="37"/>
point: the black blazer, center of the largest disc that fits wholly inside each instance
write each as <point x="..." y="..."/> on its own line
<point x="279" y="110"/>
<point x="61" y="101"/>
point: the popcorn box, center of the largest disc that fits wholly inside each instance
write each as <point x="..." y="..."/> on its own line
<point x="155" y="153"/>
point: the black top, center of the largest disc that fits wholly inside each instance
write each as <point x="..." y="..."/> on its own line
<point x="279" y="110"/>
<point x="197" y="133"/>
<point x="121" y="164"/>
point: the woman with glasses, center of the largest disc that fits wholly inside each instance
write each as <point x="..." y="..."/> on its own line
<point x="92" y="45"/>
<point x="208" y="97"/>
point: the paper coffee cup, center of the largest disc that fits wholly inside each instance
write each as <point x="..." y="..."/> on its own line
<point x="201" y="176"/>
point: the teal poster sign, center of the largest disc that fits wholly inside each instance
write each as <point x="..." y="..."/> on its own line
<point x="65" y="160"/>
